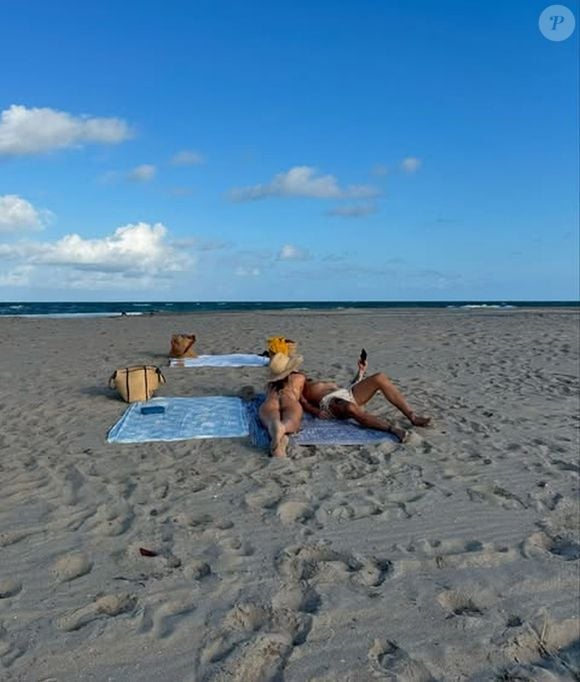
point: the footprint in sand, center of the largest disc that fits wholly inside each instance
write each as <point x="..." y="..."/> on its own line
<point x="454" y="554"/>
<point x="71" y="566"/>
<point x="545" y="651"/>
<point x="238" y="547"/>
<point x="359" y="505"/>
<point x="262" y="660"/>
<point x="112" y="520"/>
<point x="161" y="620"/>
<point x="565" y="548"/>
<point x="107" y="606"/>
<point x="199" y="523"/>
<point x="196" y="569"/>
<point x="9" y="587"/>
<point x="323" y="565"/>
<point x="544" y="499"/>
<point x="295" y="511"/>
<point x="495" y="495"/>
<point x="297" y="597"/>
<point x="265" y="497"/>
<point x="254" y="641"/>
<point x="459" y="603"/>
<point x="393" y="663"/>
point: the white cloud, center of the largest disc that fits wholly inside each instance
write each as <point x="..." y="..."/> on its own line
<point x="32" y="131"/>
<point x="354" y="210"/>
<point x="18" y="214"/>
<point x="136" y="248"/>
<point x="187" y="158"/>
<point x="143" y="173"/>
<point x="291" y="252"/>
<point x="302" y="181"/>
<point x="132" y="251"/>
<point x="410" y="164"/>
<point x="247" y="272"/>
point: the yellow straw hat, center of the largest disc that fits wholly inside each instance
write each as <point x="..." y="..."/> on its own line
<point x="282" y="366"/>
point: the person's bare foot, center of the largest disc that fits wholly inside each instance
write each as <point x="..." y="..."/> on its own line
<point x="280" y="449"/>
<point x="401" y="434"/>
<point x="419" y="421"/>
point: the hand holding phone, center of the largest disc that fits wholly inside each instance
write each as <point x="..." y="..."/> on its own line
<point x="362" y="364"/>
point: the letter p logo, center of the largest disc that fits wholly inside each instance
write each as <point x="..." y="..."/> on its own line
<point x="557" y="23"/>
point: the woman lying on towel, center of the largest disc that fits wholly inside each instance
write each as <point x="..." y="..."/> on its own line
<point x="281" y="412"/>
<point x="327" y="400"/>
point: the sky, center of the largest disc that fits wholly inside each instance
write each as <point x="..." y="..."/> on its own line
<point x="304" y="150"/>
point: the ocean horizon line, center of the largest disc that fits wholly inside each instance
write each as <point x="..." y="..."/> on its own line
<point x="140" y="308"/>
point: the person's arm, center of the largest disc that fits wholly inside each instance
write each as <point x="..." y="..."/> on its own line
<point x="362" y="368"/>
<point x="309" y="407"/>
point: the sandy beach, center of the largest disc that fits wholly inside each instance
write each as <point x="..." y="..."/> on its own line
<point x="453" y="557"/>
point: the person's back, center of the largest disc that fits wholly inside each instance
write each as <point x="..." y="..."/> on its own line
<point x="292" y="386"/>
<point x="281" y="411"/>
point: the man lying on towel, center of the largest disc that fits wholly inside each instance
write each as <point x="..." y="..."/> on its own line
<point x="327" y="400"/>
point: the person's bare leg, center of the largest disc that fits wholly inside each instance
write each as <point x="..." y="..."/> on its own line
<point x="287" y="419"/>
<point x="279" y="449"/>
<point x="342" y="409"/>
<point x="364" y="390"/>
<point x="271" y="418"/>
<point x="291" y="413"/>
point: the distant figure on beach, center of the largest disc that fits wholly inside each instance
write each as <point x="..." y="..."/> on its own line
<point x="281" y="412"/>
<point x="327" y="400"/>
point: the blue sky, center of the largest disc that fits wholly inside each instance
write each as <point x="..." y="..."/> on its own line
<point x="370" y="150"/>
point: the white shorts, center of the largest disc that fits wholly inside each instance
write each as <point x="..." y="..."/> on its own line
<point x="339" y="394"/>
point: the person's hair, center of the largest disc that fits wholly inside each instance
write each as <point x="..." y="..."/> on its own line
<point x="281" y="383"/>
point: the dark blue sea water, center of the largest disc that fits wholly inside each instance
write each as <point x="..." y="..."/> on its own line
<point x="104" y="309"/>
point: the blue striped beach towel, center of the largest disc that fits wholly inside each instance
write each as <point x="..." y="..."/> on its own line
<point x="181" y="419"/>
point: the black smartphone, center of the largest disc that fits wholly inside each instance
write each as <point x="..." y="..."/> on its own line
<point x="363" y="355"/>
<point x="152" y="409"/>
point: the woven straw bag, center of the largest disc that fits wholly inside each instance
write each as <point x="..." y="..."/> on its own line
<point x="136" y="383"/>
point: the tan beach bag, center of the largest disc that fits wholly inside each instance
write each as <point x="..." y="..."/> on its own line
<point x="182" y="346"/>
<point x="136" y="383"/>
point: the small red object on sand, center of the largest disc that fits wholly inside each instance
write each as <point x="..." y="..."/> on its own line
<point x="147" y="552"/>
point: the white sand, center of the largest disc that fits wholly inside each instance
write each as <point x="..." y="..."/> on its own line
<point x="455" y="557"/>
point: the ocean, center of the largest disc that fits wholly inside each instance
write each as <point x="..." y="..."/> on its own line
<point x="111" y="309"/>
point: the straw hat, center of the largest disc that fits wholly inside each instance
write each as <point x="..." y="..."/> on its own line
<point x="282" y="366"/>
